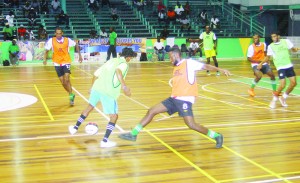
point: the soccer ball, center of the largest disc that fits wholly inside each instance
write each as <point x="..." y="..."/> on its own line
<point x="91" y="128"/>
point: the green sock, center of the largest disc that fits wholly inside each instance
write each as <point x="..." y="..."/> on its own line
<point x="253" y="84"/>
<point x="136" y="130"/>
<point x="273" y="83"/>
<point x="212" y="134"/>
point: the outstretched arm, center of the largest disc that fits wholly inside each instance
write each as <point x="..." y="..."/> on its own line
<point x="213" y="68"/>
<point x="45" y="57"/>
<point x="295" y="49"/>
<point x="78" y="50"/>
<point x="125" y="89"/>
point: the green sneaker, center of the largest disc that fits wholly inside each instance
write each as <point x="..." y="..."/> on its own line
<point x="128" y="136"/>
<point x="72" y="98"/>
<point x="219" y="141"/>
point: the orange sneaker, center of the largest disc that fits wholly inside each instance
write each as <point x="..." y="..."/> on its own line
<point x="251" y="92"/>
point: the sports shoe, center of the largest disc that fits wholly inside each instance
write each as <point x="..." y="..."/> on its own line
<point x="208" y="73"/>
<point x="72" y="98"/>
<point x="107" y="144"/>
<point x="72" y="130"/>
<point x="128" y="136"/>
<point x="251" y="92"/>
<point x="283" y="101"/>
<point x="273" y="103"/>
<point x="218" y="73"/>
<point x="219" y="141"/>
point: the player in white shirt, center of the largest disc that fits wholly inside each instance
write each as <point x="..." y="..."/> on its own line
<point x="160" y="50"/>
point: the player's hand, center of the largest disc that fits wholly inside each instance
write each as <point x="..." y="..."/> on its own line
<point x="45" y="62"/>
<point x="226" y="72"/>
<point x="127" y="91"/>
<point x="259" y="66"/>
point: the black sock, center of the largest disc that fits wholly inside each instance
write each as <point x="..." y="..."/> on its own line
<point x="109" y="128"/>
<point x="216" y="64"/>
<point x="79" y="121"/>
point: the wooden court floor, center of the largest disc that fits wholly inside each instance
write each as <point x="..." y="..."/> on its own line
<point x="260" y="144"/>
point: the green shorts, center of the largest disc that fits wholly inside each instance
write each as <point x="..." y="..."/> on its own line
<point x="109" y="104"/>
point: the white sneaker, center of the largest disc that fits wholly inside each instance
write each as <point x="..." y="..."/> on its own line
<point x="218" y="73"/>
<point x="72" y="130"/>
<point x="273" y="103"/>
<point x="283" y="101"/>
<point x="107" y="144"/>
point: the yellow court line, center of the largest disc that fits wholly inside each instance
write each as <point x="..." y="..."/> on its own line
<point x="44" y="103"/>
<point x="288" y="173"/>
<point x="181" y="156"/>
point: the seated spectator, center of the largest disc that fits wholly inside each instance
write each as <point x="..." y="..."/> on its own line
<point x="171" y="15"/>
<point x="185" y="23"/>
<point x="105" y="2"/>
<point x="13" y="50"/>
<point x="6" y="3"/>
<point x="7" y="32"/>
<point x="161" y="17"/>
<point x="22" y="33"/>
<point x="140" y="5"/>
<point x="10" y="18"/>
<point x="159" y="50"/>
<point x="55" y="7"/>
<point x="194" y="48"/>
<point x="42" y="33"/>
<point x="2" y="19"/>
<point x="36" y="6"/>
<point x="93" y="5"/>
<point x="203" y="17"/>
<point x="44" y="7"/>
<point x="26" y="8"/>
<point x="161" y="6"/>
<point x="30" y="34"/>
<point x="103" y="33"/>
<point x="114" y="13"/>
<point x="214" y="23"/>
<point x="63" y="18"/>
<point x="31" y="18"/>
<point x="187" y="8"/>
<point x="93" y="34"/>
<point x="178" y="9"/>
<point x="164" y="33"/>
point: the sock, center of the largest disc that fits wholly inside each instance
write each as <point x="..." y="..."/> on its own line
<point x="253" y="84"/>
<point x="284" y="95"/>
<point x="79" y="121"/>
<point x="273" y="83"/>
<point x="109" y="128"/>
<point x="136" y="130"/>
<point x="212" y="134"/>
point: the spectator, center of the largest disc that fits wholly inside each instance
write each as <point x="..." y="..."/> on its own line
<point x="185" y="23"/>
<point x="7" y="32"/>
<point x="194" y="48"/>
<point x="63" y="18"/>
<point x="105" y="2"/>
<point x="36" y="6"/>
<point x="214" y="23"/>
<point x="32" y="18"/>
<point x="6" y="3"/>
<point x="171" y="16"/>
<point x="140" y="5"/>
<point x="161" y="6"/>
<point x="93" y="5"/>
<point x="13" y="50"/>
<point x="93" y="34"/>
<point x="164" y="33"/>
<point x="31" y="34"/>
<point x="44" y="7"/>
<point x="26" y="8"/>
<point x="103" y="33"/>
<point x="112" y="44"/>
<point x="15" y="3"/>
<point x="10" y="18"/>
<point x="114" y="13"/>
<point x="178" y="9"/>
<point x="22" y="33"/>
<point x="55" y="7"/>
<point x="161" y="17"/>
<point x="2" y="19"/>
<point x="203" y="17"/>
<point x="187" y="8"/>
<point x="42" y="33"/>
<point x="160" y="50"/>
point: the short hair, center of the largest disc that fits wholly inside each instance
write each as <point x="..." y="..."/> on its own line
<point x="58" y="28"/>
<point x="275" y="32"/>
<point x="128" y="52"/>
<point x="175" y="49"/>
<point x="256" y="34"/>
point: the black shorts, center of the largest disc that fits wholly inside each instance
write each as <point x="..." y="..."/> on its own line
<point x="286" y="73"/>
<point x="61" y="70"/>
<point x="183" y="108"/>
<point x="264" y="69"/>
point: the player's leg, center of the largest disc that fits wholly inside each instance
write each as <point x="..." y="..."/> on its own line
<point x="282" y="83"/>
<point x="114" y="52"/>
<point x="159" y="108"/>
<point x="213" y="55"/>
<point x="290" y="73"/>
<point x="80" y="120"/>
<point x="270" y="73"/>
<point x="257" y="73"/>
<point x="109" y="52"/>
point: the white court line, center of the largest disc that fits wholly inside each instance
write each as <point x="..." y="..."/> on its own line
<point x="99" y="111"/>
<point x="276" y="180"/>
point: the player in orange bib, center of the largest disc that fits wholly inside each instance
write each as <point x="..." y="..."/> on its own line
<point x="61" y="59"/>
<point x="184" y="93"/>
<point x="256" y="55"/>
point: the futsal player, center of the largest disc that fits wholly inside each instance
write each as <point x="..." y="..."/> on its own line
<point x="108" y="80"/>
<point x="256" y="55"/>
<point x="279" y="50"/>
<point x="61" y="59"/>
<point x="184" y="93"/>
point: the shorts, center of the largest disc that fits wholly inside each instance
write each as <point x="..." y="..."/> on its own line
<point x="264" y="69"/>
<point x="210" y="53"/>
<point x="109" y="104"/>
<point x="183" y="108"/>
<point x="283" y="73"/>
<point x="61" y="70"/>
